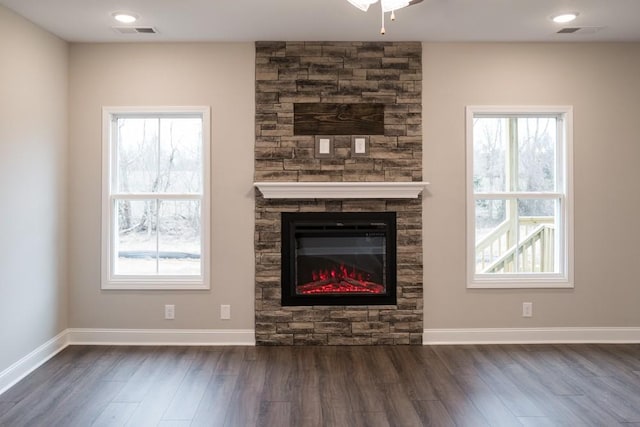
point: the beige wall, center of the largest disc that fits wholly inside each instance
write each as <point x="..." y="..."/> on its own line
<point x="602" y="82"/>
<point x="599" y="80"/>
<point x="33" y="182"/>
<point x="218" y="75"/>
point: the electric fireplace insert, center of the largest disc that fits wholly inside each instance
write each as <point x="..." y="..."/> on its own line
<point x="338" y="258"/>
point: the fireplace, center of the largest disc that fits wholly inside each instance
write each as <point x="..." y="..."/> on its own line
<point x="393" y="72"/>
<point x="338" y="258"/>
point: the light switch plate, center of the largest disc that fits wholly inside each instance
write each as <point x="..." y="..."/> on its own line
<point x="324" y="146"/>
<point x="359" y="146"/>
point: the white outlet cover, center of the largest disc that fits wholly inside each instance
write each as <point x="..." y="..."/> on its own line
<point x="361" y="146"/>
<point x="225" y="311"/>
<point x="169" y="311"/>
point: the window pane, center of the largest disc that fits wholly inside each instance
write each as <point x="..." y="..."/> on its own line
<point x="137" y="155"/>
<point x="180" y="244"/>
<point x="180" y="155"/>
<point x="536" y="231"/>
<point x="494" y="233"/>
<point x="136" y="238"/>
<point x="490" y="142"/>
<point x="536" y="154"/>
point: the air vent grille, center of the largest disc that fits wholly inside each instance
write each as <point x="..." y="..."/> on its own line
<point x="135" y="30"/>
<point x="579" y="30"/>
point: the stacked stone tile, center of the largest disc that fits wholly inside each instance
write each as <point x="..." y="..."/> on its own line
<point x="338" y="72"/>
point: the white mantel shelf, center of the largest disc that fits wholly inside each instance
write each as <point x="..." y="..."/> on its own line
<point x="340" y="190"/>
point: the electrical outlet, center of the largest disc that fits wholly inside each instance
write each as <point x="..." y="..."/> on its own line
<point x="527" y="309"/>
<point x="169" y="311"/>
<point x="225" y="311"/>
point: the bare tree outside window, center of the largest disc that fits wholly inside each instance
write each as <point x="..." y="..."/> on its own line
<point x="155" y="157"/>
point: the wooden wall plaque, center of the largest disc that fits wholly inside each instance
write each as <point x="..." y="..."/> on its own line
<point x="338" y="119"/>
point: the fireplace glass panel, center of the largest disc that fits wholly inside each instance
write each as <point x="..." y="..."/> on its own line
<point x="338" y="258"/>
<point x="341" y="264"/>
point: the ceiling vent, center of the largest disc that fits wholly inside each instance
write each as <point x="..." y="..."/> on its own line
<point x="579" y="30"/>
<point x="135" y="30"/>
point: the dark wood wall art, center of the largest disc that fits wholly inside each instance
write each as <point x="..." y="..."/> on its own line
<point x="338" y="119"/>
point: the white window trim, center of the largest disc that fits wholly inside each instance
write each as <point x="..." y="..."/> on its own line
<point x="165" y="282"/>
<point x="564" y="159"/>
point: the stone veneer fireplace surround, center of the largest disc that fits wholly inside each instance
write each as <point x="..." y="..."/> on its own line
<point x="338" y="72"/>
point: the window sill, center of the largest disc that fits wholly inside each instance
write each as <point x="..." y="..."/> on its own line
<point x="158" y="286"/>
<point x="524" y="284"/>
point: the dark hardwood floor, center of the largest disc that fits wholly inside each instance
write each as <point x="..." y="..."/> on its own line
<point x="509" y="385"/>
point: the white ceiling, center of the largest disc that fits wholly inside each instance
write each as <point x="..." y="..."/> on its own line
<point x="250" y="20"/>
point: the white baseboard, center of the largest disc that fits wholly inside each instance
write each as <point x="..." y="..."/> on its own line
<point x="204" y="337"/>
<point x="162" y="337"/>
<point x="33" y="360"/>
<point x="530" y="336"/>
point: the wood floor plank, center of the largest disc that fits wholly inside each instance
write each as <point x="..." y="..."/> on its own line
<point x="163" y="388"/>
<point x="373" y="419"/>
<point x="626" y="354"/>
<point x="378" y="361"/>
<point x="88" y="393"/>
<point x="338" y="406"/>
<point x="493" y="373"/>
<point x="212" y="409"/>
<point x="94" y="403"/>
<point x="582" y="356"/>
<point x="412" y="374"/>
<point x="588" y="410"/>
<point x="338" y="415"/>
<point x="274" y="414"/>
<point x="398" y="407"/>
<point x="174" y="423"/>
<point x="116" y="414"/>
<point x="246" y="399"/>
<point x="458" y="405"/>
<point x="306" y="404"/>
<point x="538" y="363"/>
<point x="432" y="413"/>
<point x="613" y="394"/>
<point x="193" y="387"/>
<point x="129" y="361"/>
<point x="139" y="383"/>
<point x="280" y="381"/>
<point x="5" y="406"/>
<point x="537" y="422"/>
<point x="487" y="402"/>
<point x="459" y="360"/>
<point x="554" y="407"/>
<point x="334" y="377"/>
<point x="231" y="361"/>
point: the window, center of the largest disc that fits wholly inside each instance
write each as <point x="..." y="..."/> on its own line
<point x="519" y="223"/>
<point x="155" y="201"/>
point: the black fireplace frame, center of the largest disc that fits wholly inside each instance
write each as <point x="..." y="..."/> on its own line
<point x="292" y="220"/>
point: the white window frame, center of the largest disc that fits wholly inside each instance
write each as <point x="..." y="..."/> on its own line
<point x="564" y="192"/>
<point x="109" y="280"/>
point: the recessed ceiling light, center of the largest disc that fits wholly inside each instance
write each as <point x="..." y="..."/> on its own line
<point x="125" y="17"/>
<point x="563" y="18"/>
